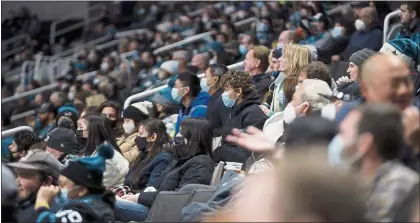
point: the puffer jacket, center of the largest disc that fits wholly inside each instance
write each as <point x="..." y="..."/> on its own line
<point x="128" y="147"/>
<point x="115" y="171"/>
<point x="196" y="169"/>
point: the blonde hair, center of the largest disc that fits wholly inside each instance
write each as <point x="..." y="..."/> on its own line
<point x="298" y="56"/>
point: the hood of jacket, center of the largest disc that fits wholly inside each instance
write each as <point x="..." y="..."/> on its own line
<point x="201" y="99"/>
<point x="251" y="99"/>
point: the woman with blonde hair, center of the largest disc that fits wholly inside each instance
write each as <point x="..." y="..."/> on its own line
<point x="294" y="57"/>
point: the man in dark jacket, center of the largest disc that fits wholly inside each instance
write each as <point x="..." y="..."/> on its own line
<point x="81" y="192"/>
<point x="60" y="143"/>
<point x="242" y="99"/>
<point x="410" y="20"/>
<point x="217" y="113"/>
<point x="33" y="170"/>
<point x="256" y="63"/>
<point x="368" y="35"/>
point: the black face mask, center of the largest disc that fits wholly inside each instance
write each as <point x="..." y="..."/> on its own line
<point x="141" y="143"/>
<point x="113" y="123"/>
<point x="81" y="142"/>
<point x="179" y="140"/>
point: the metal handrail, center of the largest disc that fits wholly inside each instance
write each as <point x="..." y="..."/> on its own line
<point x="386" y="22"/>
<point x="13" y="131"/>
<point x="41" y="89"/>
<point x="131" y="33"/>
<point x="22" y="115"/>
<point x="107" y="45"/>
<point x="197" y="37"/>
<point x="154" y="90"/>
<point x="88" y="44"/>
<point x="12" y="52"/>
<point x="187" y="40"/>
<point x="15" y="38"/>
<point x="54" y="33"/>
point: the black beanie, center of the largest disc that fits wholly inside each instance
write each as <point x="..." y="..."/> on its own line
<point x="62" y="139"/>
<point x="138" y="111"/>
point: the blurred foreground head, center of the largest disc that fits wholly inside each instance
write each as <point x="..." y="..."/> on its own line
<point x="303" y="188"/>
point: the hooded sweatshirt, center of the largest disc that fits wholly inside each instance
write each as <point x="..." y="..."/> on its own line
<point x="245" y="114"/>
<point x="197" y="109"/>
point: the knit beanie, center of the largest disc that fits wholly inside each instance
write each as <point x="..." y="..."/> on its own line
<point x="164" y="98"/>
<point x="360" y="56"/>
<point x="88" y="171"/>
<point x="404" y="48"/>
<point x="68" y="111"/>
<point x="63" y="140"/>
<point x="138" y="111"/>
<point x="170" y="66"/>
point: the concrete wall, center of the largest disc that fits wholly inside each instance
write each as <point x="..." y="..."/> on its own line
<point x="47" y="10"/>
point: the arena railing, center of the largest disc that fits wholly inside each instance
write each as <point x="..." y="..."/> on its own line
<point x="197" y="37"/>
<point x="89" y="44"/>
<point x="387" y="20"/>
<point x="42" y="89"/>
<point x="15" y="39"/>
<point x="131" y="33"/>
<point x="150" y="92"/>
<point x="12" y="132"/>
<point x="53" y="28"/>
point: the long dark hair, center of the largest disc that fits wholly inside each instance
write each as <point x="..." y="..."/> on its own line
<point x="198" y="134"/>
<point x="163" y="140"/>
<point x="99" y="131"/>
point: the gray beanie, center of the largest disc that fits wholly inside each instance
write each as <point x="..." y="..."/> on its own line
<point x="360" y="56"/>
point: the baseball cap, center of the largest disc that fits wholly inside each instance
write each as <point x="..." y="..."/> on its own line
<point x="40" y="161"/>
<point x="45" y="108"/>
<point x="359" y="4"/>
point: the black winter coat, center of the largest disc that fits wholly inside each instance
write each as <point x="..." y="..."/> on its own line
<point x="88" y="209"/>
<point x="262" y="84"/>
<point x="217" y="113"/>
<point x="191" y="170"/>
<point x="247" y="113"/>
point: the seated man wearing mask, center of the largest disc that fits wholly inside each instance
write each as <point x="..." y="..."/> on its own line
<point x="187" y="92"/>
<point x="370" y="142"/>
<point x="307" y="100"/>
<point x="34" y="170"/>
<point x="81" y="190"/>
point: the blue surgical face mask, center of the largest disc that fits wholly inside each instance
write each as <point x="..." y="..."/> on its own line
<point x="336" y="32"/>
<point x="175" y="95"/>
<point x="203" y="85"/>
<point x="242" y="49"/>
<point x="227" y="101"/>
<point x="262" y="27"/>
<point x="275" y="73"/>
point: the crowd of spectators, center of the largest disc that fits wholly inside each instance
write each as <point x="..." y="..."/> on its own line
<point x="299" y="142"/>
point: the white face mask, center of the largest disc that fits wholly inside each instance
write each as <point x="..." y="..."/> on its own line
<point x="71" y="95"/>
<point x="280" y="45"/>
<point x="129" y="127"/>
<point x="328" y="112"/>
<point x="289" y="113"/>
<point x="360" y="25"/>
<point x="105" y="66"/>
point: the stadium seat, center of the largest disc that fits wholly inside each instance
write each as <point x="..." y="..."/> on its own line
<point x="168" y="205"/>
<point x="203" y="195"/>
<point x="217" y="174"/>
